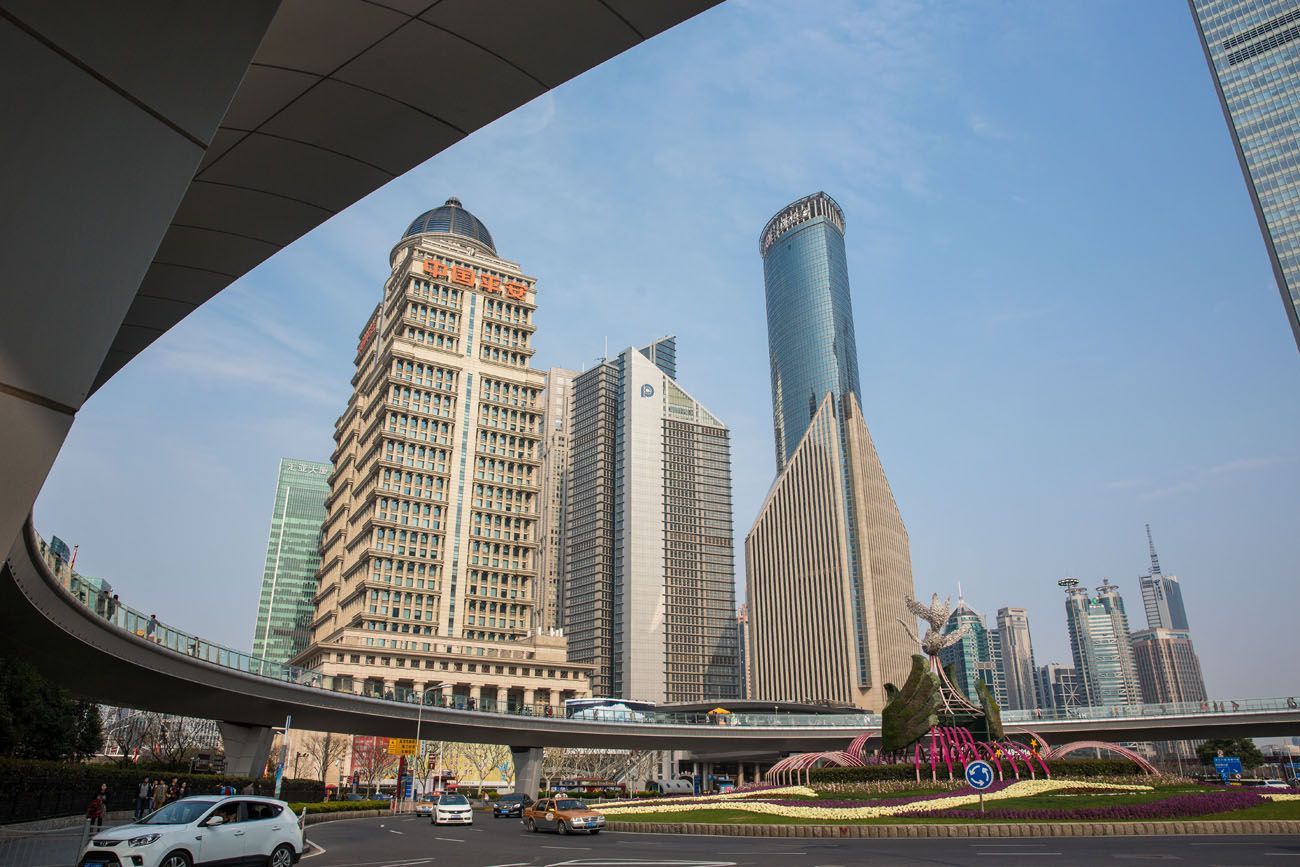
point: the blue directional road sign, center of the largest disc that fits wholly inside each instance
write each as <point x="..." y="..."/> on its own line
<point x="979" y="775"/>
<point x="1228" y="767"/>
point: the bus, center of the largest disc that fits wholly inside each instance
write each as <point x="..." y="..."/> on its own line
<point x="609" y="709"/>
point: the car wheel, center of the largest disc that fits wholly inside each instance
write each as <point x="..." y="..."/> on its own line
<point x="530" y="825"/>
<point x="176" y="859"/>
<point x="595" y="831"/>
<point x="562" y="827"/>
<point x="281" y="857"/>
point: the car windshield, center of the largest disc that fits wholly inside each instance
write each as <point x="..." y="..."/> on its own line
<point x="177" y="813"/>
<point x="511" y="798"/>
<point x="570" y="804"/>
<point x="453" y="801"/>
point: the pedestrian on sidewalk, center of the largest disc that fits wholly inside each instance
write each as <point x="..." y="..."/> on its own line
<point x="95" y="812"/>
<point x="143" y="798"/>
<point x="159" y="794"/>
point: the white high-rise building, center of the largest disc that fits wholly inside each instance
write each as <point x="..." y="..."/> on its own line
<point x="650" y="578"/>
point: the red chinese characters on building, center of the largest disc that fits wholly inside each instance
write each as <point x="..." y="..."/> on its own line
<point x="489" y="283"/>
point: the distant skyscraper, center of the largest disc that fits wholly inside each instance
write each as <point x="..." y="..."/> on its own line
<point x="1058" y="687"/>
<point x="1167" y="667"/>
<point x="977" y="656"/>
<point x="1099" y="640"/>
<point x="827" y="559"/>
<point x="650" y="596"/>
<point x="286" y="606"/>
<point x="1254" y="57"/>
<point x="1162" y="596"/>
<point x="1017" y="658"/>
<point x="558" y="399"/>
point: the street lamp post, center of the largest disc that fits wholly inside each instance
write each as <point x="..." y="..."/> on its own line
<point x="419" y="744"/>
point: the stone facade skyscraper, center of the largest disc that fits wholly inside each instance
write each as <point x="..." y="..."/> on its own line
<point x="558" y="400"/>
<point x="429" y="568"/>
<point x="285" y="609"/>
<point x="827" y="560"/>
<point x="1253" y="50"/>
<point x="650" y="583"/>
<point x="1018" y="669"/>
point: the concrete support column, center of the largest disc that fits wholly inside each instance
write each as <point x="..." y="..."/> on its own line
<point x="476" y="697"/>
<point x="247" y="748"/>
<point x="530" y="699"/>
<point x="528" y="769"/>
<point x="740" y="774"/>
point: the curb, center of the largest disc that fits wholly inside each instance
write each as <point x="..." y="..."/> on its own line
<point x="316" y="818"/>
<point x="63" y="823"/>
<point x="1023" y="829"/>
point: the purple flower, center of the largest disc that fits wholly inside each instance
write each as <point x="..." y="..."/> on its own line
<point x="887" y="802"/>
<point x="1197" y="804"/>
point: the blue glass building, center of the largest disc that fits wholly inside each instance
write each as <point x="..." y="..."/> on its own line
<point x="809" y="316"/>
<point x="1253" y="49"/>
<point x="828" y="562"/>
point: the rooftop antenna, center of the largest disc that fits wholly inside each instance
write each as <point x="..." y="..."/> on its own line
<point x="606" y="350"/>
<point x="961" y="597"/>
<point x="1155" y="561"/>
<point x="1068" y="583"/>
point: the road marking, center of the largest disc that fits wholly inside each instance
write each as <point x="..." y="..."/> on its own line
<point x="574" y="848"/>
<point x="394" y="831"/>
<point x="409" y="863"/>
<point x="320" y="850"/>
<point x="1017" y="853"/>
<point x="1007" y="845"/>
<point x="449" y="839"/>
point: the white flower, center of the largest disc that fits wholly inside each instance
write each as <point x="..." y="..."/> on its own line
<point x="1019" y="789"/>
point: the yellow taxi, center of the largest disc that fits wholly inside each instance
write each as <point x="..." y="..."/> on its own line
<point x="562" y="815"/>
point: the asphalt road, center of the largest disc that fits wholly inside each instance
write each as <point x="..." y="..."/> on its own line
<point x="409" y="842"/>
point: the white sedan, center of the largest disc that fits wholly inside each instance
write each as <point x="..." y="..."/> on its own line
<point x="453" y="809"/>
<point x="202" y="830"/>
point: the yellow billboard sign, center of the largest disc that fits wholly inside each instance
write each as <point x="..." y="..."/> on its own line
<point x="402" y="746"/>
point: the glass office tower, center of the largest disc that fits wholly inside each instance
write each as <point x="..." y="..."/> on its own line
<point x="809" y="316"/>
<point x="1253" y="49"/>
<point x="828" y="562"/>
<point x="285" y="609"/>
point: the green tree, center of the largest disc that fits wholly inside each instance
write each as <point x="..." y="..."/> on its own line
<point x="1242" y="748"/>
<point x="39" y="720"/>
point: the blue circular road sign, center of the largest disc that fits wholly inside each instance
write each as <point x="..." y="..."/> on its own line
<point x="979" y="775"/>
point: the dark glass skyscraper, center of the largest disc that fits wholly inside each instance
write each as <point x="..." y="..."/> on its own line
<point x="809" y="316"/>
<point x="1253" y="49"/>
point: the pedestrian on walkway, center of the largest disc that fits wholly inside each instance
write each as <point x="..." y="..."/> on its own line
<point x="95" y="812"/>
<point x="143" y="798"/>
<point x="151" y="627"/>
<point x="159" y="794"/>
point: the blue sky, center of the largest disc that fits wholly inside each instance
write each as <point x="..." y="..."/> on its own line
<point x="1067" y="324"/>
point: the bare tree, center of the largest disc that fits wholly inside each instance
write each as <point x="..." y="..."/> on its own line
<point x="323" y="751"/>
<point x="483" y="758"/>
<point x="370" y="758"/>
<point x="174" y="739"/>
<point x="127" y="732"/>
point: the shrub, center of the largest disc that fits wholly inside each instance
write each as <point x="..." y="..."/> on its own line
<point x="31" y="789"/>
<point x="868" y="774"/>
<point x="1092" y="768"/>
<point x="337" y="806"/>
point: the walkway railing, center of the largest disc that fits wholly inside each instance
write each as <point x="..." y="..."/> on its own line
<point x="188" y="644"/>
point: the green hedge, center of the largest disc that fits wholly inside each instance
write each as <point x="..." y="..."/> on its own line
<point x="868" y="774"/>
<point x="31" y="789"/>
<point x="337" y="806"/>
<point x="1061" y="768"/>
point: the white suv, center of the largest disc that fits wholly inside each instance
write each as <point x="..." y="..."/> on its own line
<point x="202" y="830"/>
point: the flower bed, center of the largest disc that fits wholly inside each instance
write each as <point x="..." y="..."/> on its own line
<point x="871" y="810"/>
<point x="1175" y="807"/>
<point x="677" y="801"/>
